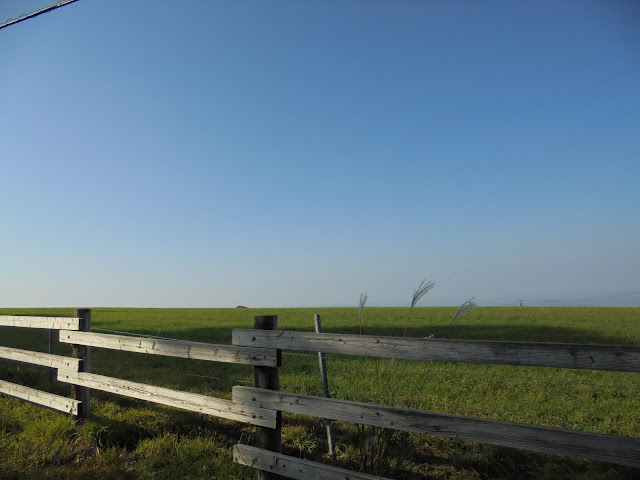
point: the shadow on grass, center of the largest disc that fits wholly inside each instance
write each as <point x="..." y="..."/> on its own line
<point x="536" y="324"/>
<point x="519" y="333"/>
<point x="124" y="422"/>
<point x="131" y="421"/>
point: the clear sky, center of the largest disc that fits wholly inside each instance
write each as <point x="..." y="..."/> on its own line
<point x="297" y="153"/>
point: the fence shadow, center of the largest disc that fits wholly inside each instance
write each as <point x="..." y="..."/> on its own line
<point x="513" y="333"/>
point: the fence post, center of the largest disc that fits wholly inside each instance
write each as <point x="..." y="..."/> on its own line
<point x="51" y="370"/>
<point x="82" y="352"/>
<point x="268" y="378"/>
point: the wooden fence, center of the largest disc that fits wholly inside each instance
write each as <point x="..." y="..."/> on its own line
<point x="605" y="448"/>
<point x="263" y="404"/>
<point x="74" y="363"/>
<point x="75" y="370"/>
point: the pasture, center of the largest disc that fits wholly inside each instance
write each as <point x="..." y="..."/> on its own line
<point x="132" y="439"/>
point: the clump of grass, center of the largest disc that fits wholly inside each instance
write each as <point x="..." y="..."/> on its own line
<point x="301" y="439"/>
<point x="381" y="451"/>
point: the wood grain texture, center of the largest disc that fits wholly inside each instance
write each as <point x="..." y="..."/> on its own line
<point x="54" y="323"/>
<point x="83" y="353"/>
<point x="293" y="467"/>
<point x="604" y="448"/>
<point x="174" y="348"/>
<point x="45" y="399"/>
<point x="557" y="355"/>
<point x="38" y="358"/>
<point x="187" y="401"/>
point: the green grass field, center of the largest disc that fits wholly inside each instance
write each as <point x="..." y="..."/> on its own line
<point x="131" y="439"/>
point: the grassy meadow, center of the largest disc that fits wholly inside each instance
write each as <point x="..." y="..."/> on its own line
<point x="129" y="439"/>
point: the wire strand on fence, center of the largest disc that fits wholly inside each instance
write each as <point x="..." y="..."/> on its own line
<point x="520" y="376"/>
<point x="494" y="414"/>
<point x="350" y="394"/>
<point x="203" y="376"/>
<point x="313" y="357"/>
<point x="132" y="334"/>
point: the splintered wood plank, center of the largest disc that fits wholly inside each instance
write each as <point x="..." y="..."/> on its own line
<point x="53" y="323"/>
<point x="187" y="401"/>
<point x="38" y="358"/>
<point x="45" y="399"/>
<point x="592" y="446"/>
<point x="293" y="467"/>
<point x="174" y="348"/>
<point x="537" y="354"/>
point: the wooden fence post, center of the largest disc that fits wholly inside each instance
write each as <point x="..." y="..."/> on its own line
<point x="268" y="378"/>
<point x="83" y="353"/>
<point x="52" y="371"/>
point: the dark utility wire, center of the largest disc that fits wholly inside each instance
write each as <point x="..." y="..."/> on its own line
<point x="26" y="16"/>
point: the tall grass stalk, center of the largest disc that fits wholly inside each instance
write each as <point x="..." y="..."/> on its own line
<point x="418" y="293"/>
<point x="363" y="300"/>
<point x="465" y="308"/>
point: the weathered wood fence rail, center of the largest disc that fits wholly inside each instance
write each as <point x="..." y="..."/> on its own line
<point x="56" y="402"/>
<point x="75" y="370"/>
<point x="174" y="348"/>
<point x="53" y="323"/>
<point x="263" y="404"/>
<point x="605" y="448"/>
<point x="557" y="355"/>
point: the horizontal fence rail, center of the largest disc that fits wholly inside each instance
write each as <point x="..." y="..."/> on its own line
<point x="604" y="448"/>
<point x="293" y="467"/>
<point x="187" y="401"/>
<point x="174" y="348"/>
<point x="534" y="354"/>
<point x="52" y="323"/>
<point x="38" y="358"/>
<point x="263" y="407"/>
<point x="45" y="399"/>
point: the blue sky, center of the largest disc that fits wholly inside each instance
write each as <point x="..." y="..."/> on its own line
<point x="298" y="153"/>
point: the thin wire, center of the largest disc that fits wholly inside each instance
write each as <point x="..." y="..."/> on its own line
<point x="546" y="379"/>
<point x="351" y="395"/>
<point x="131" y="334"/>
<point x="202" y="376"/>
<point x="309" y="355"/>
<point x="504" y="375"/>
<point x="482" y="413"/>
<point x="26" y="16"/>
<point x="477" y="411"/>
<point x="487" y="413"/>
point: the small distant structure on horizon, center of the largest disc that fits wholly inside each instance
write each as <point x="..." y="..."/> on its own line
<point x="241" y="306"/>
<point x="520" y="302"/>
